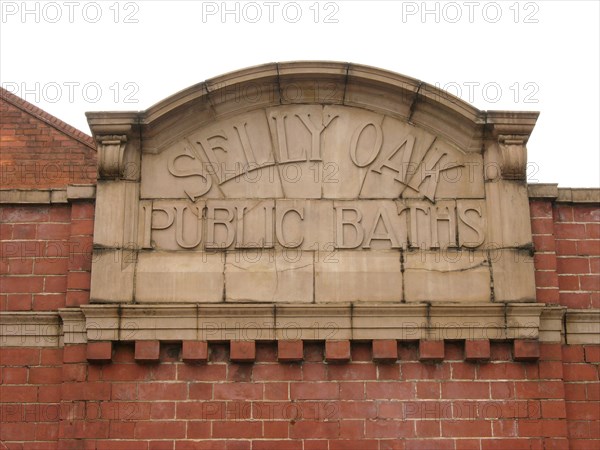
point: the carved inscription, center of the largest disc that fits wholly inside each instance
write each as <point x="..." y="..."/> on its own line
<point x="312" y="177"/>
<point x="384" y="224"/>
<point x="313" y="198"/>
<point x="312" y="151"/>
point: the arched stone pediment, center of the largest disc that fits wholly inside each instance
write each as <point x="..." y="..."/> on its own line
<point x="312" y="182"/>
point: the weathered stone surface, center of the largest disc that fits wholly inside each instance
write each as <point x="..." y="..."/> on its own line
<point x="471" y="222"/>
<point x="359" y="276"/>
<point x="269" y="276"/>
<point x="389" y="321"/>
<point x="583" y="326"/>
<point x="514" y="279"/>
<point x="450" y="275"/>
<point x="291" y="217"/>
<point x="375" y="224"/>
<point x="313" y="322"/>
<point x="30" y="196"/>
<point x="509" y="222"/>
<point x="551" y="324"/>
<point x="16" y="329"/>
<point x="81" y="191"/>
<point x="235" y="322"/>
<point x="468" y="321"/>
<point x="155" y="322"/>
<point x="312" y="183"/>
<point x="115" y="223"/>
<point x="165" y="277"/>
<point x="112" y="275"/>
<point x="171" y="225"/>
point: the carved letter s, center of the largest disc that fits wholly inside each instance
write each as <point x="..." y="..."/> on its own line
<point x="193" y="195"/>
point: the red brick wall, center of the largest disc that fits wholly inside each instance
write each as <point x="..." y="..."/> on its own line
<point x="45" y="256"/>
<point x="406" y="405"/>
<point x="30" y="397"/>
<point x="39" y="150"/>
<point x="567" y="259"/>
<point x="581" y="369"/>
<point x="577" y="232"/>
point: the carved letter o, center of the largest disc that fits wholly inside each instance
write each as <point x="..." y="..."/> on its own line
<point x="376" y="146"/>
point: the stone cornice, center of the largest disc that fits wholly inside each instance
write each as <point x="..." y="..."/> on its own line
<point x="217" y="322"/>
<point x="223" y="322"/>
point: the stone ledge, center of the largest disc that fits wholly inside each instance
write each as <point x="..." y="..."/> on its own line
<point x="582" y="327"/>
<point x="31" y="329"/>
<point x="81" y="192"/>
<point x="33" y="196"/>
<point x="223" y="323"/>
<point x="48" y="196"/>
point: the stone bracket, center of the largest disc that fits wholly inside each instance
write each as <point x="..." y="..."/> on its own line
<point x="514" y="156"/>
<point x="111" y="155"/>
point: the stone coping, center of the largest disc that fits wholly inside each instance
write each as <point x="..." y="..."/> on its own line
<point x="269" y="322"/>
<point x="563" y="195"/>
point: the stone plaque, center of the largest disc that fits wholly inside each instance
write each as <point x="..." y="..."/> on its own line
<point x="312" y="183"/>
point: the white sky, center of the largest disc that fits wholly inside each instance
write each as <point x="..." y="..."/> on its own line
<point x="69" y="57"/>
